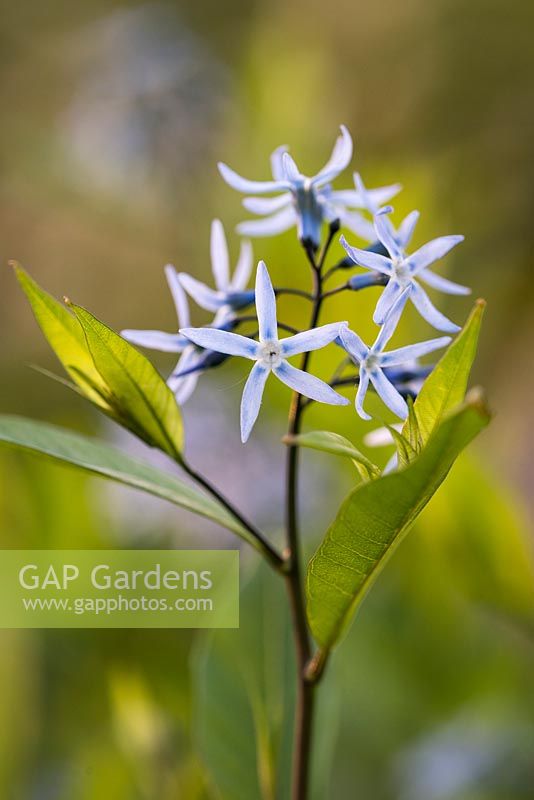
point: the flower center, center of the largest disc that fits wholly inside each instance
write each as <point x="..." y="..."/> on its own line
<point x="271" y="354"/>
<point x="372" y="362"/>
<point x="402" y="272"/>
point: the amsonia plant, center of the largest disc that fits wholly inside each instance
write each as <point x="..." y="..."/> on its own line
<point x="436" y="416"/>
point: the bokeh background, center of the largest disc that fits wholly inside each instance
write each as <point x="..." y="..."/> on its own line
<point x="114" y="115"/>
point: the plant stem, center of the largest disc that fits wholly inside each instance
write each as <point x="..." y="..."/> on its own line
<point x="278" y="562"/>
<point x="305" y="688"/>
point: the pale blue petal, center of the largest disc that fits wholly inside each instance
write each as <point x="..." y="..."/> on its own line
<point x="429" y="312"/>
<point x="251" y="400"/>
<point x="391" y="397"/>
<point x="291" y="171"/>
<point x="403" y="355"/>
<point x="392" y="464"/>
<point x="442" y="284"/>
<point x="233" y="344"/>
<point x="220" y="263"/>
<point x="253" y="187"/>
<point x="360" y="394"/>
<point x="338" y="161"/>
<point x="178" y="295"/>
<point x="243" y="269"/>
<point x="356" y="223"/>
<point x="270" y="226"/>
<point x="381" y="195"/>
<point x="267" y="205"/>
<point x="310" y="340"/>
<point x="156" y="340"/>
<point x="387" y="299"/>
<point x="373" y="197"/>
<point x="277" y="167"/>
<point x="432" y="251"/>
<point x="386" y="232"/>
<point x="367" y="259"/>
<point x="202" y="295"/>
<point x="406" y="229"/>
<point x="347" y="197"/>
<point x="308" y="385"/>
<point x="265" y="305"/>
<point x="353" y="344"/>
<point x="390" y="322"/>
<point x="183" y="387"/>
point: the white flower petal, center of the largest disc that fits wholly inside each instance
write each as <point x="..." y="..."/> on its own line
<point x="406" y="229"/>
<point x="270" y="226"/>
<point x="429" y="312"/>
<point x="220" y="262"/>
<point x="202" y="295"/>
<point x="253" y="187"/>
<point x="442" y="284"/>
<point x="156" y="340"/>
<point x="381" y="437"/>
<point x="291" y="171"/>
<point x="267" y="205"/>
<point x="243" y="269"/>
<point x="390" y="322"/>
<point x="360" y="394"/>
<point x="353" y="344"/>
<point x="178" y="295"/>
<point x="277" y="167"/>
<point x="265" y="305"/>
<point x="402" y="355"/>
<point x="357" y="223"/>
<point x="387" y="392"/>
<point x="233" y="344"/>
<point x="386" y="232"/>
<point x="432" y="251"/>
<point x="310" y="340"/>
<point x="339" y="160"/>
<point x="308" y="385"/>
<point x="367" y="259"/>
<point x="251" y="400"/>
<point x="386" y="301"/>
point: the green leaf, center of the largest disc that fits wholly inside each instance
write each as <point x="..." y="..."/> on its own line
<point x="244" y="701"/>
<point x="445" y="387"/>
<point x="411" y="430"/>
<point x="139" y="394"/>
<point x="405" y="452"/>
<point x="372" y="522"/>
<point x="337" y="445"/>
<point x="99" y="458"/>
<point x="66" y="338"/>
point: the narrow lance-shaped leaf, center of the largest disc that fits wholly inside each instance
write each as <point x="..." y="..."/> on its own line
<point x="82" y="452"/>
<point x="139" y="393"/>
<point x="337" y="445"/>
<point x="445" y="387"/>
<point x="373" y="521"/>
<point x="66" y="338"/>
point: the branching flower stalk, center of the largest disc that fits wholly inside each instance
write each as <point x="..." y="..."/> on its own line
<point x="432" y="431"/>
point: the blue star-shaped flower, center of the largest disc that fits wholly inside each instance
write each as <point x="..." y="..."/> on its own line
<point x="270" y="354"/>
<point x="405" y="271"/>
<point x="193" y="360"/>
<point x="372" y="361"/>
<point x="231" y="293"/>
<point x="306" y="202"/>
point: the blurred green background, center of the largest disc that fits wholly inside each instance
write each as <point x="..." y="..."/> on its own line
<point x="114" y="115"/>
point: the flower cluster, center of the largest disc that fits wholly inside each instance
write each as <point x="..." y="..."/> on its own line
<point x="309" y="203"/>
